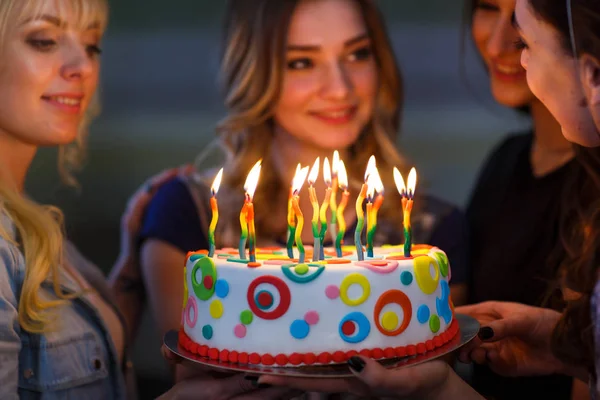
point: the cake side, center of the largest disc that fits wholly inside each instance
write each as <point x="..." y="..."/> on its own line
<point x="278" y="311"/>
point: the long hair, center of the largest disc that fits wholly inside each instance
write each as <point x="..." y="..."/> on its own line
<point x="252" y="65"/>
<point x="572" y="339"/>
<point x="39" y="228"/>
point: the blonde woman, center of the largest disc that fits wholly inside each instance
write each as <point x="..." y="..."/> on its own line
<point x="302" y="79"/>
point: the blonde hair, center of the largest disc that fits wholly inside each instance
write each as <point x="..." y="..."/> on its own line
<point x="252" y="66"/>
<point x="40" y="228"/>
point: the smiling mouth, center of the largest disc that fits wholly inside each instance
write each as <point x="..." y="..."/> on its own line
<point x="68" y="101"/>
<point x="336" y="116"/>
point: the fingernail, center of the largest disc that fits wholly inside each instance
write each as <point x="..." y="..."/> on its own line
<point x="356" y="363"/>
<point x="486" y="333"/>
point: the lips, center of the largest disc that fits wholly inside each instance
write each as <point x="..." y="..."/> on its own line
<point x="508" y="72"/>
<point x="337" y="115"/>
<point x="70" y="103"/>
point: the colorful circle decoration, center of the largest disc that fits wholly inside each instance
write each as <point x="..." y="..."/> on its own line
<point x="393" y="297"/>
<point x="196" y="256"/>
<point x="442" y="260"/>
<point x="355" y="279"/>
<point x="379" y="266"/>
<point x="207" y="332"/>
<point x="423" y="313"/>
<point x="311" y="317"/>
<point x="246" y="317"/>
<point x="426" y="282"/>
<point x="299" y="329"/>
<point x="389" y="321"/>
<point x="332" y="292"/>
<point x="192" y="306"/>
<point x="349" y="324"/>
<point x="264" y="299"/>
<point x="239" y="331"/>
<point x="304" y="276"/>
<point x="222" y="288"/>
<point x="443" y="304"/>
<point x="185" y="288"/>
<point x="216" y="309"/>
<point x="205" y="289"/>
<point x="434" y="323"/>
<point x="270" y="312"/>
<point x="406" y="278"/>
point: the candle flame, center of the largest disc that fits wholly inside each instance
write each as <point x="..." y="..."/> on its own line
<point x="370" y="165"/>
<point x="216" y="183"/>
<point x="314" y="172"/>
<point x="252" y="179"/>
<point x="335" y="162"/>
<point x="342" y="176"/>
<point x="370" y="187"/>
<point x="299" y="179"/>
<point x="412" y="182"/>
<point x="327" y="172"/>
<point x="399" y="182"/>
<point x="376" y="181"/>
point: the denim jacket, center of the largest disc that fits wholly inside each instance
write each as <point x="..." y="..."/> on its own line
<point x="77" y="359"/>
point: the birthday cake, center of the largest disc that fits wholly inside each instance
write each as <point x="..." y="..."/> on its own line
<point x="277" y="311"/>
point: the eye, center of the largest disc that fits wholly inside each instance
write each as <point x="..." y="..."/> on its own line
<point x="300" y="63"/>
<point x="93" y="50"/>
<point x="486" y="6"/>
<point x="361" y="54"/>
<point x="43" y="45"/>
<point x="520" y="44"/>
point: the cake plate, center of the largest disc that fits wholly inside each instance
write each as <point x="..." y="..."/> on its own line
<point x="468" y="328"/>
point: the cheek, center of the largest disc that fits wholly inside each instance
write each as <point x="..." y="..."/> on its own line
<point x="481" y="31"/>
<point x="296" y="92"/>
<point x="365" y="82"/>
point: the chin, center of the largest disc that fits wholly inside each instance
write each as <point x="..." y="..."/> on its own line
<point x="512" y="101"/>
<point x="589" y="139"/>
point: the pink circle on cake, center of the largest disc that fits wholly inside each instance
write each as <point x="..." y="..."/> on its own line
<point x="239" y="330"/>
<point x="191" y="304"/>
<point x="311" y="317"/>
<point x="208" y="281"/>
<point x="332" y="292"/>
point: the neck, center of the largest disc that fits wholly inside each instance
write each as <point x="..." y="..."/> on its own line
<point x="550" y="149"/>
<point x="15" y="159"/>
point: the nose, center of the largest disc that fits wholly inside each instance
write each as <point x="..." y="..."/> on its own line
<point x="503" y="38"/>
<point x="77" y="64"/>
<point x="337" y="84"/>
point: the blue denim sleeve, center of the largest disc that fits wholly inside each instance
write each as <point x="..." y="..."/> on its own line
<point x="10" y="342"/>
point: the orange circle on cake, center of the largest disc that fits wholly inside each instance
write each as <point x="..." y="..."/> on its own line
<point x="393" y="297"/>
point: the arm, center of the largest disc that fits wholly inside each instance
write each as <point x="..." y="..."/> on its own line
<point x="10" y="342"/>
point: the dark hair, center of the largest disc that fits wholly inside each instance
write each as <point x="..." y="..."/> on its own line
<point x="572" y="339"/>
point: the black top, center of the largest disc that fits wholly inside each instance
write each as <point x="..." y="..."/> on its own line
<point x="513" y="219"/>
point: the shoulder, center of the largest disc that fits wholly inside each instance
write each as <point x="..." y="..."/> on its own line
<point x="511" y="145"/>
<point x="12" y="263"/>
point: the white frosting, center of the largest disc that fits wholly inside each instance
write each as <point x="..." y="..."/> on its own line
<point x="274" y="336"/>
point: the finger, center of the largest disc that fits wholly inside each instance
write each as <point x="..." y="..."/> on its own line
<point x="487" y="308"/>
<point x="479" y="356"/>
<point x="311" y="385"/>
<point x="168" y="355"/>
<point x="235" y="385"/>
<point x="465" y="351"/>
<point x="518" y="325"/>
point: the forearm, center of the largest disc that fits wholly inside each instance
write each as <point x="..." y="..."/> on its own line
<point x="129" y="292"/>
<point x="454" y="388"/>
<point x="577" y="372"/>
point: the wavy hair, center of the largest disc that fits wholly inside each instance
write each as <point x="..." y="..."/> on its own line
<point x="252" y="65"/>
<point x="40" y="228"/>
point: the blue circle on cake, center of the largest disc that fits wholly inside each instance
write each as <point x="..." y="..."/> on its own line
<point x="207" y="332"/>
<point x="406" y="278"/>
<point x="299" y="329"/>
<point x="263" y="299"/>
<point x="423" y="314"/>
<point x="361" y="321"/>
<point x="222" y="288"/>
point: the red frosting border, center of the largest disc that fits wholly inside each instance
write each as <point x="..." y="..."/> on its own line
<point x="225" y="355"/>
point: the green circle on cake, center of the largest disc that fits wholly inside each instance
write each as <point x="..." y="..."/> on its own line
<point x="434" y="323"/>
<point x="301" y="269"/>
<point x="246" y="317"/>
<point x="206" y="287"/>
<point x="207" y="332"/>
<point x="442" y="260"/>
<point x="406" y="278"/>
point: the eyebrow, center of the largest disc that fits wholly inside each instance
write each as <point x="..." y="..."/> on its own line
<point x="347" y="43"/>
<point x="54" y="20"/>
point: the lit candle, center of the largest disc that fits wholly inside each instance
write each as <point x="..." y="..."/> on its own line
<point x="325" y="206"/>
<point x="312" y="195"/>
<point x="297" y="183"/>
<point x="343" y="183"/>
<point x="333" y="199"/>
<point x="247" y="214"/>
<point x="291" y="220"/>
<point x="375" y="185"/>
<point x="407" y="204"/>
<point x="215" y="212"/>
<point x="360" y="216"/>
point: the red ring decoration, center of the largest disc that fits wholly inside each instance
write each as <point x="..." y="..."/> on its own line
<point x="285" y="297"/>
<point x="397" y="297"/>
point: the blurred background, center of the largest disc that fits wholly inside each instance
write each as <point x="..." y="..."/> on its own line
<point x="161" y="102"/>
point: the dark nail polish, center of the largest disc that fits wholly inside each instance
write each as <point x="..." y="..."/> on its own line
<point x="486" y="333"/>
<point x="263" y="386"/>
<point x="356" y="363"/>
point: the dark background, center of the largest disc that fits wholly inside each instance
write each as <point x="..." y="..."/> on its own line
<point x="161" y="102"/>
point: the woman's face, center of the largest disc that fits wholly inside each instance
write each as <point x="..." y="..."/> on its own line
<point x="330" y="81"/>
<point x="48" y="75"/>
<point x="495" y="37"/>
<point x="553" y="76"/>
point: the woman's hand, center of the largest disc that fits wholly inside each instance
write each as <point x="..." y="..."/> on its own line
<point x="514" y="339"/>
<point x="431" y="380"/>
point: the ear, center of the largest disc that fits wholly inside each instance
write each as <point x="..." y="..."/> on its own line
<point x="589" y="72"/>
